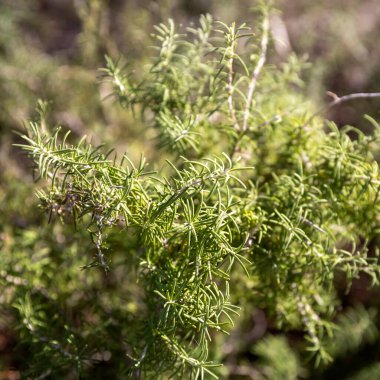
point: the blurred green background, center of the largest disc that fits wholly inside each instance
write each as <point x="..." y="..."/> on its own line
<point x="52" y="49"/>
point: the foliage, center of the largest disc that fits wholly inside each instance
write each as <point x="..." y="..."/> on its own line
<point x="278" y="359"/>
<point x="260" y="203"/>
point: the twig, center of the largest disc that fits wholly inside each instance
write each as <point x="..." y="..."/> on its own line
<point x="341" y="99"/>
<point x="337" y="100"/>
<point x="256" y="71"/>
<point x="252" y="85"/>
<point x="230" y="80"/>
<point x="311" y="224"/>
<point x="98" y="244"/>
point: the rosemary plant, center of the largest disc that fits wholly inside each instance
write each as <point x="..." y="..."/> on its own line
<point x="259" y="203"/>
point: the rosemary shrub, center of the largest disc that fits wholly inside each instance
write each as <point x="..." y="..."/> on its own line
<point x="254" y="201"/>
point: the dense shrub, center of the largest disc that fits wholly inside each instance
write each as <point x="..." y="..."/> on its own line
<point x="253" y="201"/>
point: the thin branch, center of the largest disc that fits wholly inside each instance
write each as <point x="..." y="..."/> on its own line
<point x="341" y="99"/>
<point x="337" y="100"/>
<point x="230" y="80"/>
<point x="98" y="244"/>
<point x="256" y="71"/>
